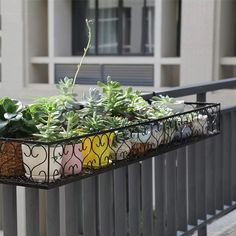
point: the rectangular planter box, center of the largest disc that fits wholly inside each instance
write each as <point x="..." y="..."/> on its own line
<point x="52" y="164"/>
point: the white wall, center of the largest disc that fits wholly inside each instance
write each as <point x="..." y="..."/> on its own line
<point x="36" y="35"/>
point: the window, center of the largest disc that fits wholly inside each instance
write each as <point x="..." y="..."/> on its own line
<point x="120" y="27"/>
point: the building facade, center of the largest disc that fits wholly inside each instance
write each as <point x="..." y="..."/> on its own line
<point x="144" y="43"/>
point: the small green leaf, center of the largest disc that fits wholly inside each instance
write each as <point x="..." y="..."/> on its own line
<point x="9" y="105"/>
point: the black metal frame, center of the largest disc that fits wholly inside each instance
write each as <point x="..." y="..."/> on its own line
<point x="152" y="138"/>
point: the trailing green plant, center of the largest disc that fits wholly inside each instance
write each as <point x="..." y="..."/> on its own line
<point x="15" y="119"/>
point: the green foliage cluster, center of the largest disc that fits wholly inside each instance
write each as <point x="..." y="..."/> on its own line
<point x="62" y="116"/>
<point x="15" y="119"/>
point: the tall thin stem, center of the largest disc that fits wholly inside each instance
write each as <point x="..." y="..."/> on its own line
<point x="84" y="54"/>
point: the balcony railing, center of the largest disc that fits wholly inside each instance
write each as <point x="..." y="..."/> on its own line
<point x="175" y="193"/>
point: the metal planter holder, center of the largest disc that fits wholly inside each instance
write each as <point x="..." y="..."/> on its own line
<point x="52" y="164"/>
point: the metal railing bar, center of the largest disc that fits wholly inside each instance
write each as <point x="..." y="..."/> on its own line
<point x="181" y="189"/>
<point x="171" y="193"/>
<point x="120" y="201"/>
<point x="226" y="132"/>
<point x="218" y="172"/>
<point x="52" y="212"/>
<point x="228" y="109"/>
<point x="146" y="197"/>
<point x="199" y="88"/>
<point x="160" y="200"/>
<point x="79" y="206"/>
<point x="233" y="151"/>
<point x="134" y="199"/>
<point x="201" y="184"/>
<point x="105" y="204"/>
<point x="210" y="177"/>
<point x="191" y="186"/>
<point x="89" y="197"/>
<point x="70" y="211"/>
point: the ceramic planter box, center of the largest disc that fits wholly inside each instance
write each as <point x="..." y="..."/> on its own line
<point x="96" y="150"/>
<point x="42" y="162"/>
<point x="72" y="160"/>
<point x="177" y="107"/>
<point x="199" y="125"/>
<point x="121" y="151"/>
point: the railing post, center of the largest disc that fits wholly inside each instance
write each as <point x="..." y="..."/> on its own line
<point x="201" y="97"/>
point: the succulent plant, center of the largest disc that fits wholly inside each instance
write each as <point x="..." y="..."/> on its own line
<point x="71" y="122"/>
<point x="92" y="103"/>
<point x="94" y="123"/>
<point x="118" y="101"/>
<point x="15" y="119"/>
<point x="163" y="99"/>
<point x="48" y="118"/>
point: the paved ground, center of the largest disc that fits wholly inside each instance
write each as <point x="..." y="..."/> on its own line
<point x="225" y="226"/>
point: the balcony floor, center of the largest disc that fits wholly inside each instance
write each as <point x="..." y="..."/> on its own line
<point x="225" y="226"/>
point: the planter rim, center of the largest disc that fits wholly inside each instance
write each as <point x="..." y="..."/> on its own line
<point x="195" y="109"/>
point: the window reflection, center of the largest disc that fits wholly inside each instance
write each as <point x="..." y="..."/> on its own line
<point x="107" y="26"/>
<point x="120" y="26"/>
